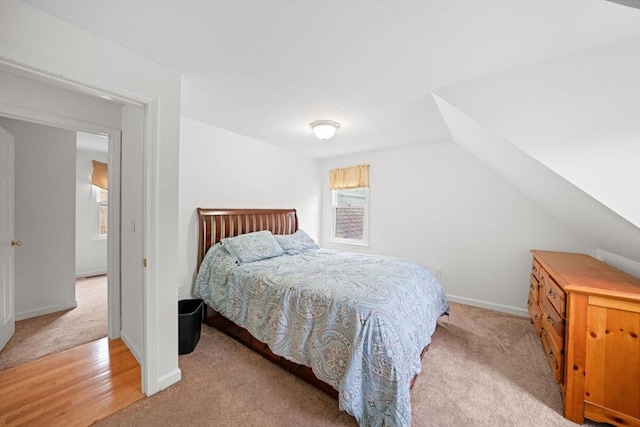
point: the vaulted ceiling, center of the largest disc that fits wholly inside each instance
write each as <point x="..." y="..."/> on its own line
<point x="267" y="69"/>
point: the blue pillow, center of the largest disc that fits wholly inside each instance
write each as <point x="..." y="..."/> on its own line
<point x="296" y="243"/>
<point x="252" y="247"/>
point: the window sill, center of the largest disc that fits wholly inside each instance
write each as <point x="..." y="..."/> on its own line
<point x="349" y="242"/>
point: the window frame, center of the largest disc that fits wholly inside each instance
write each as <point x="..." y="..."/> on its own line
<point x="98" y="205"/>
<point x="365" y="226"/>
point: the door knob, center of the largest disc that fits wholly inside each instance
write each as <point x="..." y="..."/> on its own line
<point x="16" y="243"/>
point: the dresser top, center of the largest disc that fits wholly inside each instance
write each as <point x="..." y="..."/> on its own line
<point x="583" y="273"/>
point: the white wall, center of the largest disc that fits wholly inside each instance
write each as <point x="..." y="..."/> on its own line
<point x="441" y="206"/>
<point x="131" y="249"/>
<point x="221" y="169"/>
<point x="577" y="210"/>
<point x="44" y="218"/>
<point x="578" y="115"/>
<point x="41" y="42"/>
<point x="91" y="252"/>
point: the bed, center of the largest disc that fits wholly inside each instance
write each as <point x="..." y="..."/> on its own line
<point x="353" y="325"/>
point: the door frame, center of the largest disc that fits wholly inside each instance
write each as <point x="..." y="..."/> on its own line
<point x="148" y="360"/>
<point x="113" y="242"/>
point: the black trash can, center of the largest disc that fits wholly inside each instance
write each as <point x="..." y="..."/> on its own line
<point x="189" y="323"/>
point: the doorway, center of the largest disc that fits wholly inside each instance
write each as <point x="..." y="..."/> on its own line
<point x="37" y="100"/>
<point x="91" y="234"/>
<point x="136" y="240"/>
<point x="45" y="261"/>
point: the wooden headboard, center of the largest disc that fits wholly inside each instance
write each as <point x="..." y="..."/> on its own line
<point x="216" y="224"/>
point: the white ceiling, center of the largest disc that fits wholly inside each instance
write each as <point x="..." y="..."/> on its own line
<point x="92" y="142"/>
<point x="266" y="69"/>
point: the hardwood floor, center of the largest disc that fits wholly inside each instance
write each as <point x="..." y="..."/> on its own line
<point x="72" y="388"/>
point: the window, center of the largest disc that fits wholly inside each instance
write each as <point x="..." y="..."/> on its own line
<point x="102" y="203"/>
<point x="350" y="204"/>
<point x="350" y="215"/>
<point x="100" y="181"/>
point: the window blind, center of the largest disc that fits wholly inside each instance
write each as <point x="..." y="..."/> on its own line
<point x="349" y="177"/>
<point x="100" y="174"/>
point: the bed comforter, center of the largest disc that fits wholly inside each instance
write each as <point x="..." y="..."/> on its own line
<point x="359" y="321"/>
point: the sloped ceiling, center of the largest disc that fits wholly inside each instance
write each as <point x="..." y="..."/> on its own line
<point x="567" y="133"/>
<point x="266" y="69"/>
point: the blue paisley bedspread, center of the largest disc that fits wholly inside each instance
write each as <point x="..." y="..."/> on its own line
<point x="359" y="321"/>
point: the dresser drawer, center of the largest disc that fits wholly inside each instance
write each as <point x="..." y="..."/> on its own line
<point x="553" y="354"/>
<point x="533" y="288"/>
<point x="553" y="323"/>
<point x="553" y="293"/>
<point x="535" y="313"/>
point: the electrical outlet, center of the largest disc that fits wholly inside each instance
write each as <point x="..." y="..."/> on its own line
<point x="180" y="291"/>
<point x="437" y="272"/>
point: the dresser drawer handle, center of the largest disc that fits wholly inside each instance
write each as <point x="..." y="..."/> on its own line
<point x="550" y="320"/>
<point x="552" y="357"/>
<point x="543" y="331"/>
<point x="551" y="294"/>
<point x="529" y="302"/>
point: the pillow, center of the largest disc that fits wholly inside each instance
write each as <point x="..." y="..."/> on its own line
<point x="252" y="247"/>
<point x="296" y="243"/>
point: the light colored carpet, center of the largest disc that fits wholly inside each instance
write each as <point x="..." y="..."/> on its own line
<point x="55" y="332"/>
<point x="483" y="369"/>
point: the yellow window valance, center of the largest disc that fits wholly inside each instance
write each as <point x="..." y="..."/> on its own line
<point x="349" y="177"/>
<point x="100" y="174"/>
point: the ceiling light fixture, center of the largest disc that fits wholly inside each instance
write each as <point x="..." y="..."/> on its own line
<point x="324" y="129"/>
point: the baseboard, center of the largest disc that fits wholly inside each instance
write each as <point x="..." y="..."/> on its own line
<point x="84" y="274"/>
<point x="169" y="379"/>
<point x="489" y="305"/>
<point x="45" y="310"/>
<point x="132" y="348"/>
<point x="165" y="380"/>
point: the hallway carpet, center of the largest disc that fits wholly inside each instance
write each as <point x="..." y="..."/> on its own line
<point x="43" y="335"/>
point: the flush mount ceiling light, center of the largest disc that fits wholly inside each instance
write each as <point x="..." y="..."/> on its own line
<point x="324" y="129"/>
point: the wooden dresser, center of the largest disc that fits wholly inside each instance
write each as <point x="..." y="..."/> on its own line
<point x="587" y="314"/>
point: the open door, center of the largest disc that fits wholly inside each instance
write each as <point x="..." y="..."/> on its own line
<point x="7" y="242"/>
